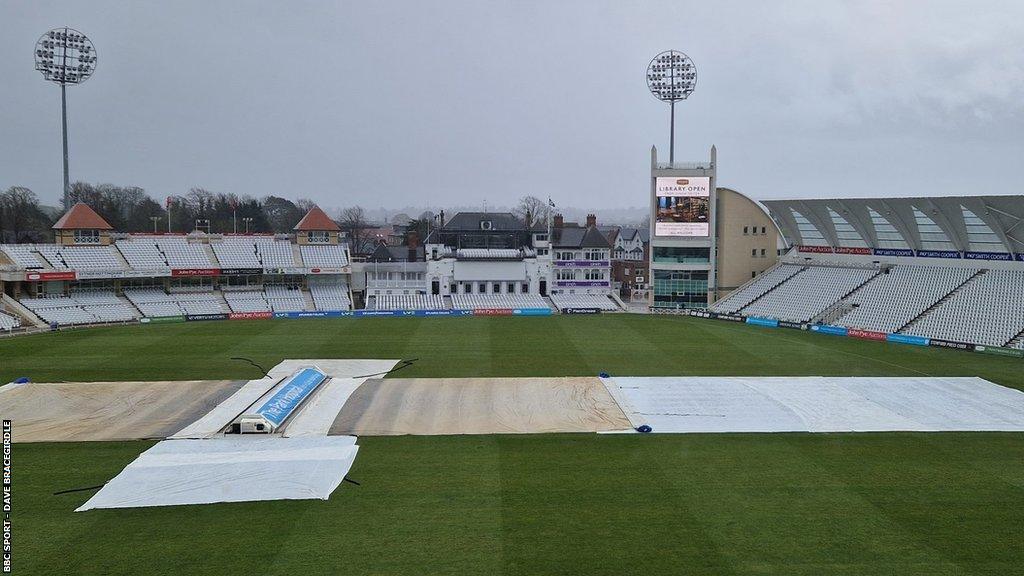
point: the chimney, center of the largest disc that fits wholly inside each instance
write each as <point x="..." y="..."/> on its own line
<point x="414" y="242"/>
<point x="442" y="218"/>
<point x="559" y="221"/>
<point x="591" y="220"/>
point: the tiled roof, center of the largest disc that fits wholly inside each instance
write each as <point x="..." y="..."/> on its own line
<point x="316" y="219"/>
<point x="81" y="217"/>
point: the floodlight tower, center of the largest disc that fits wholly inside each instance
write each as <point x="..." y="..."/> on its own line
<point x="671" y="76"/>
<point x="65" y="56"/>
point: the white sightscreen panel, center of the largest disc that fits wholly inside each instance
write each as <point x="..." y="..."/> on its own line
<point x="819" y="404"/>
<point x="489" y="271"/>
<point x="230" y="469"/>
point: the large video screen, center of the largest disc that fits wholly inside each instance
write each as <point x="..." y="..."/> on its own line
<point x="684" y="207"/>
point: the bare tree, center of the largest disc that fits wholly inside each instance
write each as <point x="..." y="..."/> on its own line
<point x="21" y="219"/>
<point x="353" y="223"/>
<point x="532" y="210"/>
<point x="304" y="205"/>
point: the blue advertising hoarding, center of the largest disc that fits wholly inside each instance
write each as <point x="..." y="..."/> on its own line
<point x="291" y="393"/>
<point x="826" y="329"/>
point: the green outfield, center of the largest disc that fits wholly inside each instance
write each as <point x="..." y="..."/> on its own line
<point x="895" y="503"/>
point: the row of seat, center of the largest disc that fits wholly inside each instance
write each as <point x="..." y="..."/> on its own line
<point x="899" y="295"/>
<point x="809" y="293"/>
<point x="756" y="288"/>
<point x="498" y="301"/>
<point x="988" y="309"/>
<point x="955" y="303"/>
<point x="148" y="253"/>
<point x="407" y="302"/>
<point x="596" y="301"/>
<point x="155" y="302"/>
<point x="8" y="322"/>
<point x="330" y="296"/>
<point x="83" y="307"/>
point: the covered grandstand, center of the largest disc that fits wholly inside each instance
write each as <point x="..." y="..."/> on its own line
<point x="939" y="271"/>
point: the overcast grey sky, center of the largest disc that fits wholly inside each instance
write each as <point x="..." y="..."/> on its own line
<point x="434" y="103"/>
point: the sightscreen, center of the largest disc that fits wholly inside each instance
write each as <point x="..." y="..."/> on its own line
<point x="684" y="207"/>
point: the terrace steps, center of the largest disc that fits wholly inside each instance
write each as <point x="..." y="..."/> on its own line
<point x="768" y="291"/>
<point x="938" y="303"/>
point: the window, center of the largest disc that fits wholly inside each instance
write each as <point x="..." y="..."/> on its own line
<point x="682" y="255"/>
<point x="483" y="288"/>
<point x="763" y="253"/>
<point x="467" y="288"/>
<point x="845" y="232"/>
<point x="511" y="288"/>
<point x="625" y="271"/>
<point x="453" y="289"/>
<point x="318" y="237"/>
<point x="932" y="236"/>
<point x="541" y="237"/>
<point x="496" y="288"/>
<point x="809" y="234"/>
<point x="753" y="273"/>
<point x="753" y="252"/>
<point x="681" y="288"/>
<point x="745" y="230"/>
<point x="763" y="230"/>
<point x="594" y="274"/>
<point x="980" y="236"/>
<point x="486" y="225"/>
<point x="888" y="235"/>
<point x="87" y="236"/>
<point x="525" y="288"/>
<point x="542" y="251"/>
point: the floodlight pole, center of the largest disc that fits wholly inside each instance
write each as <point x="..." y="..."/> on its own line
<point x="64" y="118"/>
<point x="672" y="133"/>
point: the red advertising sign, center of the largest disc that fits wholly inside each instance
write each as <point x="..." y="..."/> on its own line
<point x="250" y="315"/>
<point x="195" y="272"/>
<point x="865" y="334"/>
<point x="44" y="276"/>
<point x="847" y="250"/>
<point x="816" y="249"/>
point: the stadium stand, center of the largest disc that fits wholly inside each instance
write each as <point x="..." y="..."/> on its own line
<point x="141" y="254"/>
<point x="85" y="307"/>
<point x="23" y="255"/>
<point x="809" y="293"/>
<point x="756" y="288"/>
<point x="893" y="299"/>
<point x="330" y="295"/>
<point x="90" y="257"/>
<point x="180" y="254"/>
<point x="247" y="301"/>
<point x="8" y="322"/>
<point x="327" y="256"/>
<point x="51" y="253"/>
<point x="498" y="301"/>
<point x="275" y="253"/>
<point x="236" y="253"/>
<point x="988" y="309"/>
<point x="488" y="253"/>
<point x="596" y="301"/>
<point x="408" y="302"/>
<point x="155" y="302"/>
<point x="285" y="298"/>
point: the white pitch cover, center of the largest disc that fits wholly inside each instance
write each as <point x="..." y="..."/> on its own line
<point x="230" y="469"/>
<point x="819" y="404"/>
